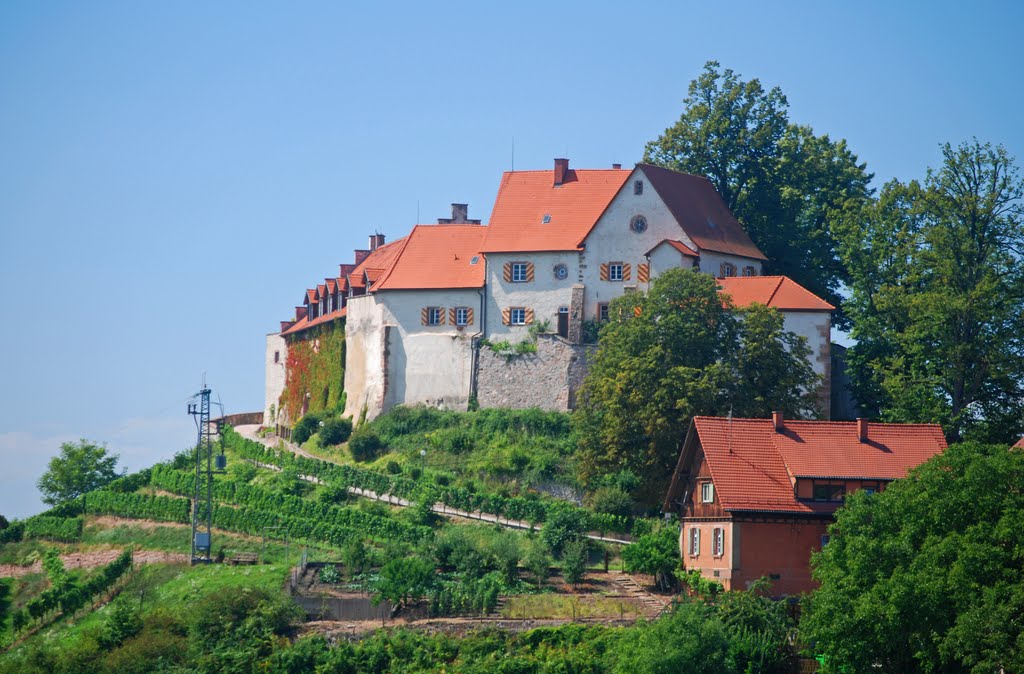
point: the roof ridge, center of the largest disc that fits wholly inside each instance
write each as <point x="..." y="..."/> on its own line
<point x="405" y="242"/>
<point x="778" y="285"/>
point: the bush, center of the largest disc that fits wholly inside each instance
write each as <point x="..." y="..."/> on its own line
<point x="574" y="561"/>
<point x="306" y="426"/>
<point x="335" y="431"/>
<point x="364" y="445"/>
<point x="329" y="574"/>
<point x="393" y="467"/>
<point x="611" y="500"/>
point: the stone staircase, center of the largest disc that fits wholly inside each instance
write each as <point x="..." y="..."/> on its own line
<point x="654" y="605"/>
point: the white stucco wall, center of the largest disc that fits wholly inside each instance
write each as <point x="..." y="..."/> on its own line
<point x="394" y="359"/>
<point x="711" y="263"/>
<point x="816" y="327"/>
<point x="274" y="376"/>
<point x="666" y="257"/>
<point x="545" y="294"/>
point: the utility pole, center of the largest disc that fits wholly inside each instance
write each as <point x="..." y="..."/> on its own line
<point x="202" y="502"/>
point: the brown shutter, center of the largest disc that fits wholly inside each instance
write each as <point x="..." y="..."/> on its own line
<point x="604" y="271"/>
<point x="440" y="315"/>
<point x="625" y="271"/>
<point x="529" y="316"/>
<point x="451" y="316"/>
<point x="425" y="315"/>
<point x="529" y="272"/>
<point x="469" y="317"/>
<point x="643" y="272"/>
<point x="506" y="316"/>
<point x="508" y="272"/>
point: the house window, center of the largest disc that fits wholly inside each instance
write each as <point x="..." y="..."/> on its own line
<point x="602" y="312"/>
<point x="462" y="316"/>
<point x="277" y="356"/>
<point x="707" y="492"/>
<point x="749" y="271"/>
<point x="727" y="269"/>
<point x="517" y="316"/>
<point x="638" y="224"/>
<point x="435" y="315"/>
<point x="825" y="538"/>
<point x="829" y="491"/>
<point x="519" y="274"/>
<point x="615" y="271"/>
<point x="694" y="542"/>
<point x="638" y="187"/>
<point x="718" y="542"/>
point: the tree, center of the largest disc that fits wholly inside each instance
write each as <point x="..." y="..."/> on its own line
<point x="80" y="468"/>
<point x="677" y="351"/>
<point x="784" y="183"/>
<point x="574" y="561"/>
<point x="937" y="285"/>
<point x="926" y="575"/>
<point x="656" y="554"/>
<point x="405" y="578"/>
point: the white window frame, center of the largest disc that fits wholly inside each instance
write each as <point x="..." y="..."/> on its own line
<point x="717" y="542"/>
<point x="694" y="542"/>
<point x="707" y="492"/>
<point x="614" y="271"/>
<point x="434" y="315"/>
<point x="517" y="316"/>
<point x="519" y="272"/>
<point x="462" y="316"/>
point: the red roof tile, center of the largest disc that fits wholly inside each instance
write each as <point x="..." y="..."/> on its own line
<point x="701" y="212"/>
<point x="332" y="285"/>
<point x="526" y="197"/>
<point x="1020" y="444"/>
<point x="311" y="296"/>
<point x="753" y="466"/>
<point x="678" y="245"/>
<point x="438" y="256"/>
<point x="780" y="292"/>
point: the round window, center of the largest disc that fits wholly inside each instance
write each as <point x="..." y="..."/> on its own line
<point x="561" y="272"/>
<point x="638" y="224"/>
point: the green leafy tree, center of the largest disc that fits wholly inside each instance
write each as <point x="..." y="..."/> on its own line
<point x="656" y="554"/>
<point x="937" y="286"/>
<point x="926" y="576"/>
<point x="537" y="561"/>
<point x="574" y="561"/>
<point x="80" y="468"/>
<point x="670" y="354"/>
<point x="783" y="182"/>
<point x="564" y="526"/>
<point x="405" y="578"/>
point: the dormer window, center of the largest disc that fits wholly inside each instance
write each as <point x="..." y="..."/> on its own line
<point x="707" y="492"/>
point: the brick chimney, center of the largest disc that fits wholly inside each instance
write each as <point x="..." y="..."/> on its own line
<point x="361" y="255"/>
<point x="376" y="241"/>
<point x="862" y="429"/>
<point x="616" y="166"/>
<point x="561" y="170"/>
<point x="777" y="422"/>
<point x="460" y="216"/>
<point x="345" y="269"/>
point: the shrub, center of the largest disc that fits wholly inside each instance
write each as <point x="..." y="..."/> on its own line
<point x="364" y="444"/>
<point x="329" y="574"/>
<point x="393" y="467"/>
<point x="574" y="561"/>
<point x="335" y="431"/>
<point x="306" y="426"/>
<point x="611" y="500"/>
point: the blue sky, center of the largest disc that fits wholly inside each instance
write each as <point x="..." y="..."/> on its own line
<point x="174" y="175"/>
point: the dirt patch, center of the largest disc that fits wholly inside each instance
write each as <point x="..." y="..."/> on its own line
<point x="335" y="631"/>
<point x="94" y="558"/>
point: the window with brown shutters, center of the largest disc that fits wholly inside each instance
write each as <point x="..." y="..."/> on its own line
<point x="643" y="272"/>
<point x="749" y="271"/>
<point x="726" y="269"/>
<point x="616" y="271"/>
<point x="461" y="316"/>
<point x="518" y="272"/>
<point x="517" y="316"/>
<point x="432" y="315"/>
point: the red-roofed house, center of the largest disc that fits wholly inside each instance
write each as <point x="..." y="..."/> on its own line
<point x="756" y="496"/>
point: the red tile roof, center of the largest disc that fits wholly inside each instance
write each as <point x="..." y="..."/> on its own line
<point x="780" y="292"/>
<point x="700" y="211"/>
<point x="574" y="207"/>
<point x="678" y="245"/>
<point x="754" y="467"/>
<point x="1020" y="444"/>
<point x="438" y="256"/>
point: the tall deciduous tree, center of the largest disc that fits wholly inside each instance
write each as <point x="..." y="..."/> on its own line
<point x="937" y="296"/>
<point x="674" y="352"/>
<point x="783" y="182"/>
<point x="926" y="576"/>
<point x="79" y="468"/>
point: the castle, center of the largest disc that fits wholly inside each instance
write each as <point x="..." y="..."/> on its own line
<point x="560" y="244"/>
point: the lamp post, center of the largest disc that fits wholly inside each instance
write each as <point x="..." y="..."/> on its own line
<point x="423" y="459"/>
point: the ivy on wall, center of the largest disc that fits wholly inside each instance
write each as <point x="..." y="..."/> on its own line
<point x="314" y="371"/>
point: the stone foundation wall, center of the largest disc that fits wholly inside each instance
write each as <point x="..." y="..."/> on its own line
<point x="548" y="379"/>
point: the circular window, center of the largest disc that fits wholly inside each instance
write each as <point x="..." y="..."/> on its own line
<point x="638" y="224"/>
<point x="561" y="272"/>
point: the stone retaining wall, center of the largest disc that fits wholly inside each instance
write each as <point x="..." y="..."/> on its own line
<point x="548" y="379"/>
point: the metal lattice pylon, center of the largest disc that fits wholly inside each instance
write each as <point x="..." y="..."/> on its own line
<point x="202" y="501"/>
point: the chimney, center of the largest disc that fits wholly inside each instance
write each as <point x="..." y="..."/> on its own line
<point x="862" y="429"/>
<point x="777" y="422"/>
<point x="460" y="216"/>
<point x="361" y="255"/>
<point x="345" y="269"/>
<point x="376" y="241"/>
<point x="616" y="166"/>
<point x="561" y="169"/>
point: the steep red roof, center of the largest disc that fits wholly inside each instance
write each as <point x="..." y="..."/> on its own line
<point x="780" y="292"/>
<point x="678" y="245"/>
<point x="573" y="208"/>
<point x="700" y="211"/>
<point x="438" y="256"/>
<point x="753" y="466"/>
<point x="1020" y="444"/>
